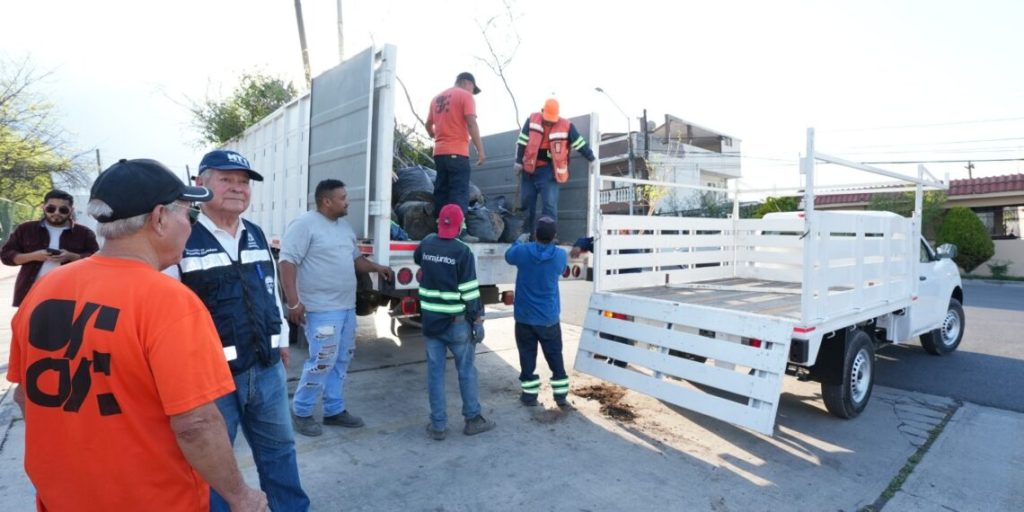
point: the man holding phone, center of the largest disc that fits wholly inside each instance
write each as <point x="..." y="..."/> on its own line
<point x="40" y="246"/>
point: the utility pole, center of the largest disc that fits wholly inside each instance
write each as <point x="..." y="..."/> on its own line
<point x="302" y="44"/>
<point x="341" y="36"/>
<point x="99" y="165"/>
<point x="629" y="145"/>
<point x="970" y="170"/>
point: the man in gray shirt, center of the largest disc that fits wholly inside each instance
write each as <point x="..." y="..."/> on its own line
<point x="319" y="260"/>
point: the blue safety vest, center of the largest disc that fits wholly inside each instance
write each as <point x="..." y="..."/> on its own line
<point x="239" y="294"/>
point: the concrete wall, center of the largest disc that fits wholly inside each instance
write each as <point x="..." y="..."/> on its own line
<point x="1006" y="250"/>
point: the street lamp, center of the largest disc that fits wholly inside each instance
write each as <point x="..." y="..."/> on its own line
<point x="629" y="144"/>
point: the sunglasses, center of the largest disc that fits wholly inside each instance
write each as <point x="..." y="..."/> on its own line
<point x="64" y="210"/>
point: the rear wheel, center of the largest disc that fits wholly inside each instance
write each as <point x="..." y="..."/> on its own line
<point x="947" y="337"/>
<point x="847" y="396"/>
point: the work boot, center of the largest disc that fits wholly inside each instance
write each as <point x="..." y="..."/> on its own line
<point x="307" y="426"/>
<point x="562" y="400"/>
<point x="477" y="425"/>
<point x="436" y="435"/>
<point x="344" y="419"/>
<point x="528" y="399"/>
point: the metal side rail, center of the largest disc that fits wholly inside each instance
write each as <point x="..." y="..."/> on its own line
<point x="724" y="364"/>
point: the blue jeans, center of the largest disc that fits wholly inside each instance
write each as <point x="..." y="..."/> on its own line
<point x="332" y="343"/>
<point x="452" y="183"/>
<point x="456" y="339"/>
<point x="260" y="404"/>
<point x="541" y="183"/>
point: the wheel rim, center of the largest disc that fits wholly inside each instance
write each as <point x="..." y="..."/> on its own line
<point x="950" y="328"/>
<point x="860" y="376"/>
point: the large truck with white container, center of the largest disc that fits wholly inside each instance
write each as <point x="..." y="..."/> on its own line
<point x="710" y="313"/>
<point x="344" y="129"/>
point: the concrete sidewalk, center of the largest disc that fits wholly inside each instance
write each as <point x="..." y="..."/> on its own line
<point x="661" y="458"/>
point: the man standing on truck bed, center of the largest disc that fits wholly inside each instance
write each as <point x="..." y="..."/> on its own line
<point x="452" y="320"/>
<point x="537" y="310"/>
<point x="227" y="263"/>
<point x="543" y="152"/>
<point x="451" y="122"/>
<point x="319" y="260"/>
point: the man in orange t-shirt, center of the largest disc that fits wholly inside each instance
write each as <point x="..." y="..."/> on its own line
<point x="118" y="365"/>
<point x="451" y="122"/>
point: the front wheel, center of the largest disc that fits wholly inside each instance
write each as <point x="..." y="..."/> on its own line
<point x="947" y="337"/>
<point x="848" y="396"/>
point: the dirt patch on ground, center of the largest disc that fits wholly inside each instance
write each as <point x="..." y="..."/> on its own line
<point x="610" y="398"/>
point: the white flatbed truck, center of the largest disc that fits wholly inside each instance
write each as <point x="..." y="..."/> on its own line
<point x="710" y="314"/>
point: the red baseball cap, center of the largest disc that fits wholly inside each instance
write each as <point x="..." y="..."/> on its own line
<point x="449" y="221"/>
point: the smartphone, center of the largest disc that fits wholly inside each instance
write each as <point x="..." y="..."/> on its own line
<point x="52" y="251"/>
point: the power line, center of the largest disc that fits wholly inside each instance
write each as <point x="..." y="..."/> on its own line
<point x="948" y="161"/>
<point x="927" y="125"/>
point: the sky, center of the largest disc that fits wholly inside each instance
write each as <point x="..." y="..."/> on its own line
<point x="879" y="80"/>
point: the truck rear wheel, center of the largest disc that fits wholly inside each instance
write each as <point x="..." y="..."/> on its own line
<point x="849" y="395"/>
<point x="947" y="337"/>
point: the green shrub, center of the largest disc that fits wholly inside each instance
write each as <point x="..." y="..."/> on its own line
<point x="963" y="228"/>
<point x="999" y="268"/>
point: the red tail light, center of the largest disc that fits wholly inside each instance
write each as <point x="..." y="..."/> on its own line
<point x="565" y="272"/>
<point x="575" y="270"/>
<point x="754" y="342"/>
<point x="618" y="316"/>
<point x="404" y="276"/>
<point x="409" y="306"/>
<point x="419" y="276"/>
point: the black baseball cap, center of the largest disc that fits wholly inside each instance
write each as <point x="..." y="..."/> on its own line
<point x="546" y="230"/>
<point x="227" y="160"/>
<point x="465" y="75"/>
<point x="135" y="187"/>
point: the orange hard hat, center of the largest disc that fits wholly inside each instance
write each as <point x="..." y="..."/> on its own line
<point x="550" y="111"/>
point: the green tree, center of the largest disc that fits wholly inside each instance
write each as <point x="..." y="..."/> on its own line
<point x="932" y="210"/>
<point x="963" y="228"/>
<point x="256" y="96"/>
<point x="777" y="204"/>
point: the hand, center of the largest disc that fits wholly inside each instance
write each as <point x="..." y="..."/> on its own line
<point x="575" y="252"/>
<point x="523" y="238"/>
<point x="517" y="168"/>
<point x="480" y="158"/>
<point x="384" y="272"/>
<point x="41" y="255"/>
<point x="64" y="257"/>
<point x="286" y="357"/>
<point x="591" y="158"/>
<point x="250" y="499"/>
<point x="297" y="316"/>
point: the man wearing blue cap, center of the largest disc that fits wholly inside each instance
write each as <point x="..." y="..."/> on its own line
<point x="227" y="262"/>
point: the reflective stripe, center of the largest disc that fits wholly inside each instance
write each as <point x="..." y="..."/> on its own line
<point x="475" y="294"/>
<point x="469" y="285"/>
<point x="196" y="263"/>
<point x="230" y="353"/>
<point x="560" y="382"/>
<point x="536" y="127"/>
<point x="442" y="308"/>
<point x="580" y="142"/>
<point x="530" y="386"/>
<point x="558" y="135"/>
<point x="251" y="255"/>
<point x="437" y="294"/>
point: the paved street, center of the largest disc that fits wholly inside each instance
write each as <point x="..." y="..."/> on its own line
<point x="661" y="458"/>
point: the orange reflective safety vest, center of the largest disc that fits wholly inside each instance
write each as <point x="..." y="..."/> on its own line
<point x="555" y="140"/>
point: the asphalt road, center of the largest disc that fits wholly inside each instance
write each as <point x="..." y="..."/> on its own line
<point x="987" y="369"/>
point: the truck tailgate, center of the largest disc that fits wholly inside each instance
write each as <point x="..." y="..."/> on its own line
<point x="665" y="345"/>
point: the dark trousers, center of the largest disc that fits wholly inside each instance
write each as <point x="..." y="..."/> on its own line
<point x="550" y="339"/>
<point x="452" y="184"/>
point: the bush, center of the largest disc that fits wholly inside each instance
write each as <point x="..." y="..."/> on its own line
<point x="963" y="228"/>
<point x="999" y="268"/>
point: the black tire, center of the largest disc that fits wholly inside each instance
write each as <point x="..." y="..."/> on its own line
<point x="848" y="397"/>
<point x="947" y="338"/>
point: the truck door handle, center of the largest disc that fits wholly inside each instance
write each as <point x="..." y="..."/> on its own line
<point x="922" y="278"/>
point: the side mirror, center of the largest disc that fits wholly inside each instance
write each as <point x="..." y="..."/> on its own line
<point x="946" y="251"/>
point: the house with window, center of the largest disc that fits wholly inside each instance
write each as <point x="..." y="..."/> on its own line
<point x="677" y="151"/>
<point x="997" y="200"/>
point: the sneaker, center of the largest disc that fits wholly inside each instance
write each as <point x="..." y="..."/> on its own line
<point x="306" y="426"/>
<point x="468" y="238"/>
<point x="477" y="425"/>
<point x="529" y="400"/>
<point x="562" y="400"/>
<point x="436" y="435"/>
<point x="344" y="419"/>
